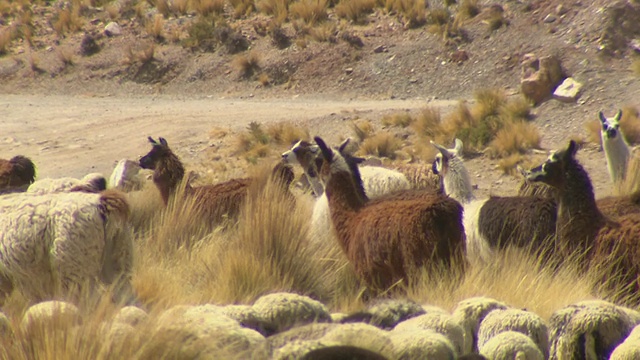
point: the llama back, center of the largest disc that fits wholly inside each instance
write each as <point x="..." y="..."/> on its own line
<point x="420" y="176"/>
<point x="378" y="181"/>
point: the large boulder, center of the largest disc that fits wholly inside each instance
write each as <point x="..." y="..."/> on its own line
<point x="540" y="77"/>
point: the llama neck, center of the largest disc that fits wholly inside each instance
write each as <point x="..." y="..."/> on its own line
<point x="314" y="180"/>
<point x="457" y="183"/>
<point x="168" y="175"/>
<point x="578" y="216"/>
<point x="617" y="154"/>
<point x="344" y="202"/>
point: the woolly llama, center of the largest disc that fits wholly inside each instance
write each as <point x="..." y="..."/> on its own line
<point x="215" y="201"/>
<point x="16" y="174"/>
<point x="389" y="239"/>
<point x="64" y="241"/>
<point x="497" y="222"/>
<point x="615" y="147"/>
<point x="613" y="247"/>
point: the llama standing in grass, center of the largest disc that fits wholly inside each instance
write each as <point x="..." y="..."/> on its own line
<point x="64" y="241"/>
<point x="215" y="201"/>
<point x="615" y="147"/>
<point x="16" y="174"/>
<point x="391" y="238"/>
<point x="583" y="230"/>
<point x="496" y="222"/>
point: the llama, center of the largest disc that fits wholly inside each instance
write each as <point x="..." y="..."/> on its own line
<point x="615" y="147"/>
<point x="583" y="230"/>
<point x="496" y="222"/>
<point x="389" y="239"/>
<point x="93" y="183"/>
<point x="64" y="241"/>
<point x="16" y="174"/>
<point x="216" y="200"/>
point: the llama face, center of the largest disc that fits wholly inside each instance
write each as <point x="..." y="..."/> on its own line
<point x="610" y="127"/>
<point x="158" y="151"/>
<point x="302" y="153"/>
<point x="552" y="171"/>
<point x="333" y="163"/>
<point x="441" y="161"/>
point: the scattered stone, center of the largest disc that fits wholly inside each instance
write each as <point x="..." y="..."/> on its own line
<point x="89" y="46"/>
<point x="112" y="29"/>
<point x="549" y="19"/>
<point x="380" y="49"/>
<point x="348" y="71"/>
<point x="568" y="91"/>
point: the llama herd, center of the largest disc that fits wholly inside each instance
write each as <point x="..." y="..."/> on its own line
<point x="391" y="223"/>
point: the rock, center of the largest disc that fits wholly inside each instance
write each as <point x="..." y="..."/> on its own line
<point x="568" y="91"/>
<point x="89" y="46"/>
<point x="549" y="18"/>
<point x="348" y="71"/>
<point x="540" y="76"/>
<point x="561" y="10"/>
<point x="112" y="29"/>
<point x="380" y="49"/>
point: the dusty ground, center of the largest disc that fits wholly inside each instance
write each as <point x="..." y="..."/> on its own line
<point x="79" y="118"/>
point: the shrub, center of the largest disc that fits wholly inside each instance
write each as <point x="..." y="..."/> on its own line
<point x="247" y="65"/>
<point x="325" y="32"/>
<point x="309" y="11"/>
<point x="155" y="27"/>
<point x="362" y="129"/>
<point x="279" y="37"/>
<point x="68" y="20"/>
<point x="201" y="35"/>
<point x="383" y="144"/>
<point x="515" y="138"/>
<point x="355" y="10"/>
<point x="402" y="119"/>
<point x="179" y="7"/>
<point x="630" y="124"/>
<point x="279" y="9"/>
<point x="468" y="9"/>
<point x="286" y="133"/>
<point x="428" y="123"/>
<point x="439" y="16"/>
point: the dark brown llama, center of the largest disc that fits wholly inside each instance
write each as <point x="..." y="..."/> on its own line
<point x="217" y="200"/>
<point x="390" y="238"/>
<point x="583" y="231"/>
<point x="16" y="174"/>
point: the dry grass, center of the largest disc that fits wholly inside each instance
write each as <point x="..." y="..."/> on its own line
<point x="5" y="41"/>
<point x="247" y="65"/>
<point x="635" y="65"/>
<point x="325" y="32"/>
<point x="310" y="11"/>
<point x="382" y="144"/>
<point x="355" y="10"/>
<point x="155" y="27"/>
<point x="66" y="56"/>
<point x="162" y="6"/>
<point x="68" y="20"/>
<point x="279" y="9"/>
<point x="514" y="138"/>
<point x="468" y="9"/>
<point x="413" y="12"/>
<point x="630" y="124"/>
<point x="593" y="128"/>
<point x="362" y="129"/>
<point x="242" y="8"/>
<point x="207" y="8"/>
<point x="286" y="133"/>
<point x="428" y="123"/>
<point x="496" y="21"/>
<point x="631" y="183"/>
<point x="179" y="7"/>
<point x="402" y="119"/>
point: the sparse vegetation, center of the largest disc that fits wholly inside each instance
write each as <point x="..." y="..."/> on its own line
<point x="66" y="56"/>
<point x="68" y="20"/>
<point x="382" y="144"/>
<point x="5" y="41"/>
<point x="206" y="8"/>
<point x="279" y="9"/>
<point x="428" y="123"/>
<point x="286" y="133"/>
<point x="310" y="11"/>
<point x="201" y="35"/>
<point x="402" y="119"/>
<point x="468" y="9"/>
<point x="355" y="10"/>
<point x="242" y="8"/>
<point x="247" y="65"/>
<point x="362" y="129"/>
<point x="155" y="28"/>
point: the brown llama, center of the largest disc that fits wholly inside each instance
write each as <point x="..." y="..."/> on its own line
<point x="582" y="230"/>
<point x="391" y="238"/>
<point x="16" y="174"/>
<point x="216" y="200"/>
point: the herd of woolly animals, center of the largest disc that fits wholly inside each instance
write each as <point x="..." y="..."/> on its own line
<point x="64" y="237"/>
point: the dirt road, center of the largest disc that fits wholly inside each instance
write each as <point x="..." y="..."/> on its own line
<point x="73" y="135"/>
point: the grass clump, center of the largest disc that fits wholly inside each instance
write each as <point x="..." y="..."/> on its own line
<point x="413" y="12"/>
<point x="428" y="123"/>
<point x="310" y="11"/>
<point x="355" y="10"/>
<point x="382" y="144"/>
<point x="201" y="35"/>
<point x="468" y="9"/>
<point x="247" y="65"/>
<point x="242" y="8"/>
<point x="253" y="143"/>
<point x="325" y="32"/>
<point x="5" y="41"/>
<point x="155" y="27"/>
<point x="279" y="9"/>
<point x="635" y="65"/>
<point x="514" y="138"/>
<point x="68" y="20"/>
<point x="206" y="8"/>
<point x="286" y="133"/>
<point x="362" y="129"/>
<point x="402" y="119"/>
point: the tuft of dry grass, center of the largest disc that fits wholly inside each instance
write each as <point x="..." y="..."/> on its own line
<point x="355" y="10"/>
<point x="310" y="11"/>
<point x="68" y="20"/>
<point x="382" y="144"/>
<point x="247" y="65"/>
<point x="630" y="124"/>
<point x="5" y="41"/>
<point x="113" y="10"/>
<point x="362" y="129"/>
<point x="242" y="8"/>
<point x="439" y="16"/>
<point x="286" y="133"/>
<point x="593" y="132"/>
<point x="179" y="7"/>
<point x="325" y="32"/>
<point x="468" y="9"/>
<point x="206" y="8"/>
<point x="515" y="138"/>
<point x="428" y="123"/>
<point x="402" y="119"/>
<point x="162" y="6"/>
<point x="279" y="9"/>
<point x="631" y="183"/>
<point x="496" y="21"/>
<point x="65" y="55"/>
<point x="413" y="12"/>
<point x="155" y="27"/>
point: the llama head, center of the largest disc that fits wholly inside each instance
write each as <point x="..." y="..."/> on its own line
<point x="552" y="171"/>
<point x="24" y="168"/>
<point x="334" y="161"/>
<point x="159" y="150"/>
<point x="610" y="126"/>
<point x="442" y="159"/>
<point x="302" y="152"/>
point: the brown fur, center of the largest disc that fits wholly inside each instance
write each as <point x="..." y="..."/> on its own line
<point x="114" y="202"/>
<point x="582" y="228"/>
<point x="389" y="239"/>
<point x="17" y="173"/>
<point x="214" y="201"/>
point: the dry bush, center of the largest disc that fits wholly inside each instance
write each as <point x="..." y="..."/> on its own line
<point x="253" y="143"/>
<point x="421" y="151"/>
<point x="413" y="12"/>
<point x="65" y="55"/>
<point x="496" y="21"/>
<point x="514" y="138"/>
<point x="631" y="183"/>
<point x="68" y="20"/>
<point x="488" y="102"/>
<point x="428" y="123"/>
<point x="630" y="124"/>
<point x="468" y="9"/>
<point x="382" y="144"/>
<point x="439" y="16"/>
<point x="206" y="8"/>
<point x="593" y="132"/>
<point x="162" y="6"/>
<point x="355" y="10"/>
<point x="155" y="27"/>
<point x="179" y="7"/>
<point x="279" y="9"/>
<point x="5" y="41"/>
<point x="402" y="119"/>
<point x="264" y="79"/>
<point x="518" y="108"/>
<point x="201" y="35"/>
<point x="310" y="11"/>
<point x="278" y="35"/>
<point x="325" y="32"/>
<point x="362" y="129"/>
<point x="247" y="65"/>
<point x="242" y="8"/>
<point x="286" y="133"/>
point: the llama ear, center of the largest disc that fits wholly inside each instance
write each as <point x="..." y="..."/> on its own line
<point x="618" y="116"/>
<point x="572" y="149"/>
<point x="442" y="150"/>
<point x="163" y="142"/>
<point x="151" y="140"/>
<point x="603" y="119"/>
<point x="344" y="144"/>
<point x="326" y="152"/>
<point x="458" y="146"/>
